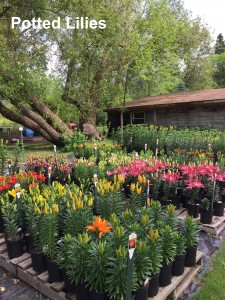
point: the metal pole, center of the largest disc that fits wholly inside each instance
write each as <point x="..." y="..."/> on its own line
<point x="22" y="145"/>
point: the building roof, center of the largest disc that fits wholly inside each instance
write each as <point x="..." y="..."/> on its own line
<point x="200" y="97"/>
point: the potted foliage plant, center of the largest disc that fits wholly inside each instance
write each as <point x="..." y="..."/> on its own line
<point x="168" y="253"/>
<point x="49" y="235"/>
<point x="142" y="268"/>
<point x="192" y="188"/>
<point x="206" y="211"/>
<point x="14" y="237"/>
<point x="178" y="263"/>
<point x="156" y="258"/>
<point x="190" y="231"/>
<point x="63" y="261"/>
<point x="33" y="216"/>
<point x="218" y="205"/>
<point x="77" y="271"/>
<point x="98" y="254"/>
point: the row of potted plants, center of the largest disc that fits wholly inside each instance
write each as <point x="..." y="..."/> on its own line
<point x="62" y="225"/>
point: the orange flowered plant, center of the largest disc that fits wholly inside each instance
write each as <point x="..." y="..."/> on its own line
<point x="100" y="226"/>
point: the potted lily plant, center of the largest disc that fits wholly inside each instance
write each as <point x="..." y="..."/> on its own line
<point x="206" y="211"/>
<point x="190" y="231"/>
<point x="14" y="237"/>
<point x="168" y="253"/>
<point x="178" y="263"/>
<point x="77" y="258"/>
<point x="156" y="258"/>
<point x="192" y="188"/>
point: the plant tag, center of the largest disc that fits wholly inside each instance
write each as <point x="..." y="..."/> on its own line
<point x="17" y="189"/>
<point x="132" y="244"/>
<point x="95" y="179"/>
<point x="49" y="171"/>
<point x="146" y="281"/>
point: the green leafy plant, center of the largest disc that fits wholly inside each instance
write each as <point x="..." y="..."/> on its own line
<point x="180" y="243"/>
<point x="168" y="244"/>
<point x="62" y="251"/>
<point x="155" y="251"/>
<point x="205" y="204"/>
<point x="3" y="156"/>
<point x="116" y="278"/>
<point x="190" y="231"/>
<point x="142" y="264"/>
<point x="98" y="255"/>
<point x="10" y="218"/>
<point x="78" y="258"/>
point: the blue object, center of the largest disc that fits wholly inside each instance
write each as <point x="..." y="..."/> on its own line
<point x="29" y="132"/>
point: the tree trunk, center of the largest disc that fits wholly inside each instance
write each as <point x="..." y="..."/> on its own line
<point x="49" y="133"/>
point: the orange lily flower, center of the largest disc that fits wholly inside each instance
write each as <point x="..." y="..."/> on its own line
<point x="100" y="226"/>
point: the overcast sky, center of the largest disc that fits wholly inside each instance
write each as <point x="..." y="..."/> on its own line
<point x="212" y="12"/>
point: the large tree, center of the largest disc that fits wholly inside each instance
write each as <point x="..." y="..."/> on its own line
<point x="142" y="51"/>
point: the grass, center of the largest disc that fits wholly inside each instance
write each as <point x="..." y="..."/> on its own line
<point x="42" y="149"/>
<point x="213" y="283"/>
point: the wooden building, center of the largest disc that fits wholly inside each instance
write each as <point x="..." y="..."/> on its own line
<point x="186" y="109"/>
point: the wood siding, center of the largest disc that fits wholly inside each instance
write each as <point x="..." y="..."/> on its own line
<point x="182" y="116"/>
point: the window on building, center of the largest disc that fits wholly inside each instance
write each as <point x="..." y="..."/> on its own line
<point x="138" y="117"/>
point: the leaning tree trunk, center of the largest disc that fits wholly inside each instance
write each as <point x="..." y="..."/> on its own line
<point x="32" y="120"/>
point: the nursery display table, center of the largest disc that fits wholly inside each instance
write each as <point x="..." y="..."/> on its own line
<point x="217" y="225"/>
<point x="21" y="267"/>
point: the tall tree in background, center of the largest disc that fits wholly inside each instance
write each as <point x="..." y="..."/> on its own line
<point x="220" y="44"/>
<point x="218" y="60"/>
<point x="145" y="49"/>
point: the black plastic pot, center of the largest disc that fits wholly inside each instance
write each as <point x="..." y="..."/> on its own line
<point x="54" y="273"/>
<point x="1" y="223"/>
<point x="153" y="285"/>
<point x="193" y="209"/>
<point x="165" y="202"/>
<point x="190" y="258"/>
<point x="39" y="263"/>
<point x="14" y="248"/>
<point x="68" y="285"/>
<point x="98" y="296"/>
<point x="178" y="265"/>
<point x="176" y="201"/>
<point x="218" y="208"/>
<point x="28" y="242"/>
<point x="206" y="216"/>
<point x="165" y="274"/>
<point x="142" y="293"/>
<point x="82" y="292"/>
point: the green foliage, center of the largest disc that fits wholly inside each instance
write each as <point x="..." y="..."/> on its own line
<point x="205" y="203"/>
<point x="16" y="156"/>
<point x="112" y="202"/>
<point x="74" y="221"/>
<point x="78" y="258"/>
<point x="168" y="244"/>
<point x="33" y="221"/>
<point x="62" y="251"/>
<point x="96" y="267"/>
<point x="180" y="243"/>
<point x="70" y="142"/>
<point x="142" y="264"/>
<point x="220" y="44"/>
<point x="190" y="231"/>
<point x="10" y="217"/>
<point x="218" y="61"/>
<point x="3" y="156"/>
<point x="155" y="251"/>
<point x="49" y="234"/>
<point x="116" y="279"/>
